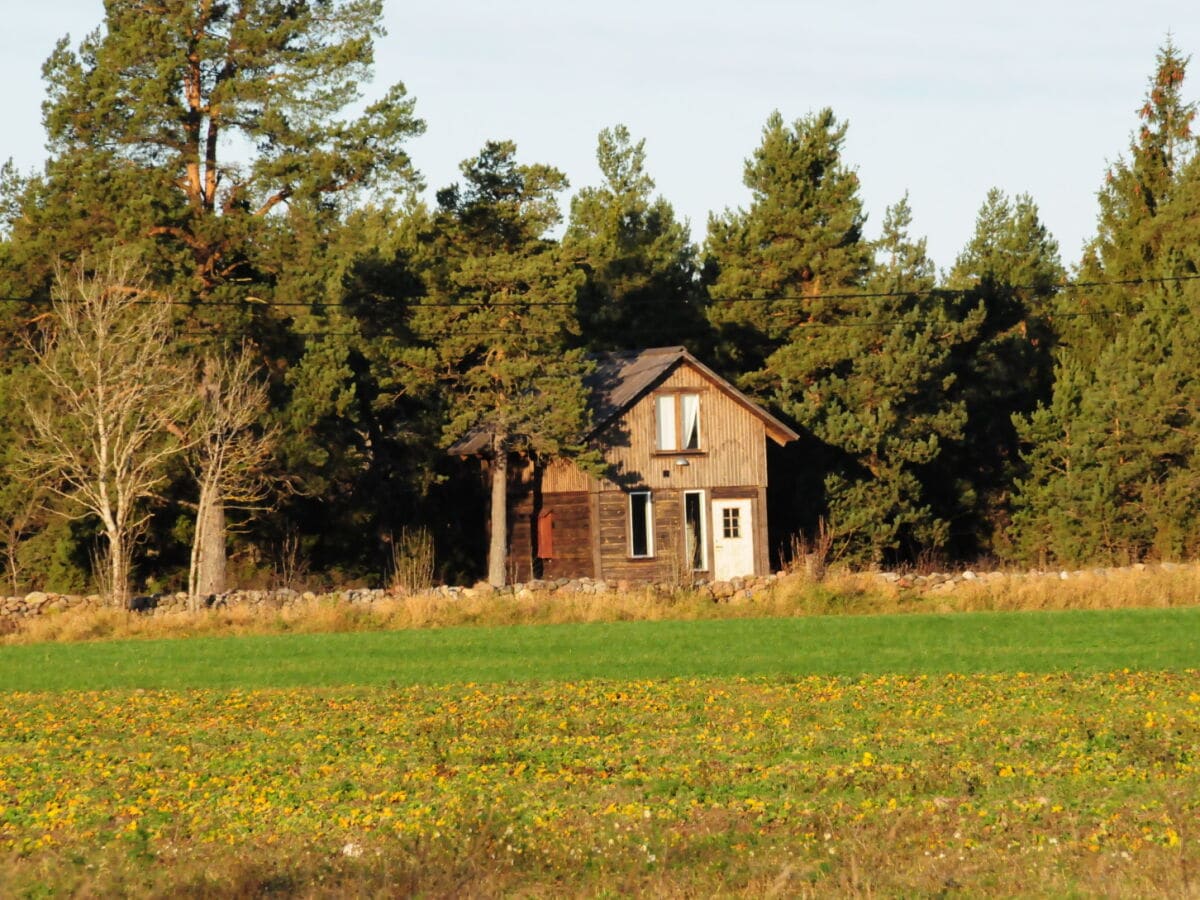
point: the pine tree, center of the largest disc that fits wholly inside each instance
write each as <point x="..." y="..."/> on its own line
<point x="180" y="129"/>
<point x="781" y="265"/>
<point x="498" y="319"/>
<point x="641" y="286"/>
<point x="361" y="426"/>
<point x="881" y="408"/>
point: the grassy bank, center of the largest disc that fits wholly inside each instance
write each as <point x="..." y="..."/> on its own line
<point x="1086" y="641"/>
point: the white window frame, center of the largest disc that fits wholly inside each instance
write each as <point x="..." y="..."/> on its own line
<point x="672" y="411"/>
<point x="703" y="535"/>
<point x="648" y="522"/>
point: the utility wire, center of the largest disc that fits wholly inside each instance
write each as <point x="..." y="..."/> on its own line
<point x="807" y="326"/>
<point x="258" y="302"/>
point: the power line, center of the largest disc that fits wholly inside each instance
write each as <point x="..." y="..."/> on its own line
<point x="417" y="332"/>
<point x="258" y="302"/>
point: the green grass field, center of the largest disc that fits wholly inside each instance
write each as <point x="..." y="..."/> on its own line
<point x="1091" y="641"/>
<point x="1013" y="754"/>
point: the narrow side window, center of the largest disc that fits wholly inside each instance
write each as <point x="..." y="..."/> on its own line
<point x="694" y="538"/>
<point x="641" y="524"/>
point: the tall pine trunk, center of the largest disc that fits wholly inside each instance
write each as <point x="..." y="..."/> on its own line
<point x="497" y="550"/>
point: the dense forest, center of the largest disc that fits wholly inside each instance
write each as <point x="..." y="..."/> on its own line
<point x="237" y="342"/>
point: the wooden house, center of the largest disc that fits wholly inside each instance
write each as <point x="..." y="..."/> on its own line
<point x="685" y="490"/>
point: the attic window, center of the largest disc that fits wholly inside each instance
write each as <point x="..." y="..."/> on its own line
<point x="677" y="421"/>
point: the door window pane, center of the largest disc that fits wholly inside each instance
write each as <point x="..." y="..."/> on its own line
<point x="731" y="523"/>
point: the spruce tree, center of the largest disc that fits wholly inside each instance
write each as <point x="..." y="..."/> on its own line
<point x="1114" y="469"/>
<point x="1131" y="230"/>
<point x="1112" y="472"/>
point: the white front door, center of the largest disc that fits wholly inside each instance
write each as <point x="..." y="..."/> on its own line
<point x="733" y="539"/>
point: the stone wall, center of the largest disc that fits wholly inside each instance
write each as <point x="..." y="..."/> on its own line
<point x="940" y="582"/>
<point x="41" y="603"/>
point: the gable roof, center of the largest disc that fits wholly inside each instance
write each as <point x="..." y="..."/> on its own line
<point x="622" y="378"/>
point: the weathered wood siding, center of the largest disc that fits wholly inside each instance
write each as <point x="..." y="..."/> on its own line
<point x="562" y="476"/>
<point x="520" y="546"/>
<point x="733" y="446"/>
<point x="615" y="562"/>
<point x="572" y="536"/>
<point x="572" y="557"/>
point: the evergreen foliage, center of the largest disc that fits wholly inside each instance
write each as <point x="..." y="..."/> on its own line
<point x="1009" y="274"/>
<point x="996" y="410"/>
<point x="786" y="261"/>
<point x="641" y="286"/>
<point x="880" y="401"/>
<point x="1112" y="468"/>
<point x="191" y="134"/>
<point x="497" y="320"/>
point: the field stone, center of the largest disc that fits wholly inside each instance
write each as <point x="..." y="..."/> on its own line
<point x="721" y="590"/>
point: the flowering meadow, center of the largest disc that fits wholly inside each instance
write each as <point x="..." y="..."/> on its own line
<point x="1007" y="783"/>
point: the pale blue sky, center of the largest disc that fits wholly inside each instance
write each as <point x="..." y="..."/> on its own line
<point x="945" y="98"/>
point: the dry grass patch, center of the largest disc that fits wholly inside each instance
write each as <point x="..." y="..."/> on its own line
<point x="792" y="595"/>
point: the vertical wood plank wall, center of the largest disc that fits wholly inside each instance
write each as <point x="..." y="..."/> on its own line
<point x="733" y="446"/>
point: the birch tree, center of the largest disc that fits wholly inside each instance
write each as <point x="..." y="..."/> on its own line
<point x="107" y="395"/>
<point x="229" y="453"/>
